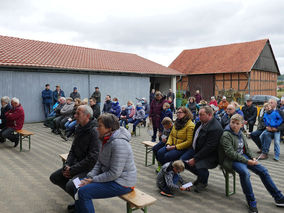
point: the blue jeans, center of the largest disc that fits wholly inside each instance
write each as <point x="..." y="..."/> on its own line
<point x="70" y="125"/>
<point x="157" y="147"/>
<point x="266" y="138"/>
<point x="255" y="136"/>
<point x="136" y="122"/>
<point x="123" y="122"/>
<point x="47" y="109"/>
<point x="164" y="156"/>
<point x="97" y="191"/>
<point x="201" y="173"/>
<point x="262" y="172"/>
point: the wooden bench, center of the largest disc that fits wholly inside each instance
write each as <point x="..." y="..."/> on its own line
<point x="134" y="200"/>
<point x="227" y="175"/>
<point x="148" y="146"/>
<point x="23" y="135"/>
<point x="63" y="157"/>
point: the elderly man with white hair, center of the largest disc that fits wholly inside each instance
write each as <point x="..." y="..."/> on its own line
<point x="14" y="121"/>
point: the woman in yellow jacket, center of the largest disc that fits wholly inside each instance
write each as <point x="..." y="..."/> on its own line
<point x="180" y="138"/>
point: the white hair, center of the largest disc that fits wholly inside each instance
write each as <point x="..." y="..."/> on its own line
<point x="16" y="100"/>
<point x="62" y="98"/>
<point x="5" y="99"/>
<point x="87" y="110"/>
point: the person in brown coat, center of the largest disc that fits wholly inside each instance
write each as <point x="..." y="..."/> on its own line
<point x="155" y="113"/>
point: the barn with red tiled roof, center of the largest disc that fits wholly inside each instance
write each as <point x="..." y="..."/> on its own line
<point x="27" y="65"/>
<point x="248" y="67"/>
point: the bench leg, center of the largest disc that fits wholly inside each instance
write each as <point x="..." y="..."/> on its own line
<point x="21" y="140"/>
<point x="128" y="208"/>
<point x="29" y="142"/>
<point x="148" y="150"/>
<point x="227" y="180"/>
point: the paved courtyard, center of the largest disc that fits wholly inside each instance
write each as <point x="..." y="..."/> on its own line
<point x="25" y="185"/>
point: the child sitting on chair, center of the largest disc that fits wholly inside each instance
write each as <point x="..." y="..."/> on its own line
<point x="123" y="117"/>
<point x="168" y="178"/>
<point x="234" y="154"/>
<point x="167" y="128"/>
<point x="138" y="117"/>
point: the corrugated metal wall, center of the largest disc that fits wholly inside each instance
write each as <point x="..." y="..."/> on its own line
<point x="27" y="86"/>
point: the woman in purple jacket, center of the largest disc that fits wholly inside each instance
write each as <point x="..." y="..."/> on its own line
<point x="156" y="109"/>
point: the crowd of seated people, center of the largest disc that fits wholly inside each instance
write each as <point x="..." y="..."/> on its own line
<point x="197" y="142"/>
<point x="201" y="137"/>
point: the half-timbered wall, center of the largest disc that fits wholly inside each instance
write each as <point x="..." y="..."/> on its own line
<point x="263" y="83"/>
<point x="236" y="81"/>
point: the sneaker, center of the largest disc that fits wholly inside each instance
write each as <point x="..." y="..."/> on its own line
<point x="263" y="156"/>
<point x="276" y="158"/>
<point x="153" y="140"/>
<point x="2" y="140"/>
<point x="16" y="143"/>
<point x="63" y="137"/>
<point x="199" y="187"/>
<point x="280" y="202"/>
<point x="133" y="133"/>
<point x="252" y="207"/>
<point x="259" y="152"/>
<point x="166" y="194"/>
<point x="127" y="127"/>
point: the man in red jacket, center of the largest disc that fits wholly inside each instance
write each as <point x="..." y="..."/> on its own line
<point x="14" y="121"/>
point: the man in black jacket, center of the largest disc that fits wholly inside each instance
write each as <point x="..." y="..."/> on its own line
<point x="83" y="154"/>
<point x="204" y="152"/>
<point x="5" y="107"/>
<point x="107" y="104"/>
<point x="95" y="107"/>
<point x="250" y="114"/>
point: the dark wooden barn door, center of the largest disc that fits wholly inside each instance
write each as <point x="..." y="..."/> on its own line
<point x="203" y="83"/>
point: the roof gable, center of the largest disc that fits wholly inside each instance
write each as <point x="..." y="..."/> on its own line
<point x="17" y="52"/>
<point x="239" y="57"/>
<point x="266" y="60"/>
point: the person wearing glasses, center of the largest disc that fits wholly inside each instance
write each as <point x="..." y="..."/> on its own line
<point x="180" y="138"/>
<point x="230" y="111"/>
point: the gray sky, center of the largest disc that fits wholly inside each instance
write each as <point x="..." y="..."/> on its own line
<point x="158" y="30"/>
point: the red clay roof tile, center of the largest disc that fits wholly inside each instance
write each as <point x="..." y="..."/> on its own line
<point x="17" y="52"/>
<point x="239" y="57"/>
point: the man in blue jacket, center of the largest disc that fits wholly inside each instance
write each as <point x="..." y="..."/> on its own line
<point x="46" y="95"/>
<point x="57" y="94"/>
